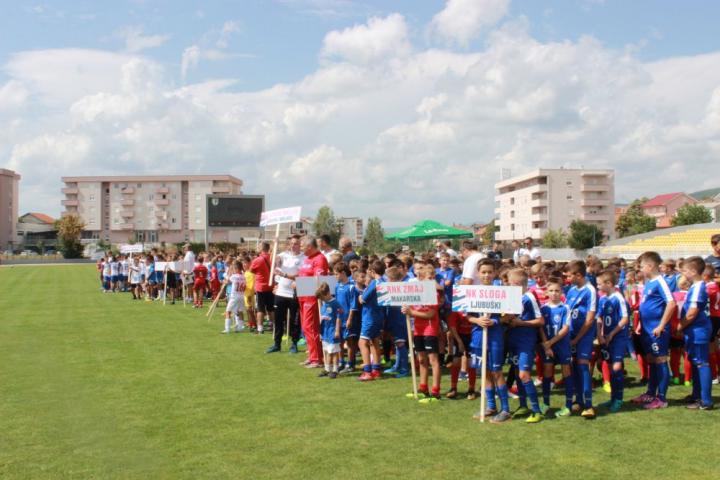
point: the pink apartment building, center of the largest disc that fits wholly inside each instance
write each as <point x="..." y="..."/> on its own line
<point x="9" y="199"/>
<point x="664" y="207"/>
<point x="149" y="209"/>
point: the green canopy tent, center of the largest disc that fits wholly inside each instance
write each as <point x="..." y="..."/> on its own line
<point x="428" y="229"/>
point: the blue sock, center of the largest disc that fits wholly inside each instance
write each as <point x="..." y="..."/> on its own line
<point x="652" y="381"/>
<point x="546" y="390"/>
<point x="490" y="396"/>
<point x="375" y="366"/>
<point x="522" y="394"/>
<point x="367" y="368"/>
<point x="705" y="376"/>
<point x="402" y="357"/>
<point x="577" y="379"/>
<point x="531" y="392"/>
<point x="569" y="390"/>
<point x="504" y="398"/>
<point x="696" y="382"/>
<point x="618" y="380"/>
<point x="663" y="373"/>
<point x="586" y="384"/>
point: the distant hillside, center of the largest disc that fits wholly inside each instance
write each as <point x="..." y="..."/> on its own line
<point x="702" y="194"/>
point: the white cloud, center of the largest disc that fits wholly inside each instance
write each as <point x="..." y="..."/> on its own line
<point x="404" y="136"/>
<point x="136" y="41"/>
<point x="193" y="54"/>
<point x="379" y="38"/>
<point x="462" y="20"/>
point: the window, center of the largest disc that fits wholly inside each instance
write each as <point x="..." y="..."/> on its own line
<point x="197" y="209"/>
<point x="197" y="220"/>
<point x="512" y="213"/>
<point x="174" y="196"/>
<point x="115" y="185"/>
<point x="90" y="222"/>
<point x="139" y="222"/>
<point x="569" y="197"/>
<point x="197" y="196"/>
<point x="92" y="197"/>
<point x="512" y="200"/>
<point x="139" y="185"/>
<point x="568" y="183"/>
<point x="151" y="197"/>
<point x="164" y="196"/>
<point x="571" y="212"/>
<point x="107" y="190"/>
<point x="116" y="221"/>
<point x="173" y="220"/>
<point x="163" y="184"/>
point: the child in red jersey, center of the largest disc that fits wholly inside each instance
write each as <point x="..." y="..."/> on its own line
<point x="460" y="330"/>
<point x="214" y="278"/>
<point x="677" y="340"/>
<point x="540" y="276"/>
<point x="633" y="288"/>
<point x="425" y="336"/>
<point x="200" y="273"/>
<point x="710" y="277"/>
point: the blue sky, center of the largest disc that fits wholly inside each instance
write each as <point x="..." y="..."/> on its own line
<point x="422" y="91"/>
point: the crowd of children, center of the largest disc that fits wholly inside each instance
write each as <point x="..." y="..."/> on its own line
<point x="579" y="315"/>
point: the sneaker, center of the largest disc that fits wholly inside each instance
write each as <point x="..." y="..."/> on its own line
<point x="607" y="388"/>
<point x="588" y="413"/>
<point x="273" y="349"/>
<point x="715" y="381"/>
<point x="576" y="408"/>
<point x="420" y="394"/>
<point x="429" y="400"/>
<point x="390" y="371"/>
<point x="563" y="412"/>
<point x="365" y="377"/>
<point x="225" y="331"/>
<point x="313" y="365"/>
<point x="501" y="417"/>
<point x="656" y="404"/>
<point x="324" y="373"/>
<point x="690" y="399"/>
<point x="471" y="395"/>
<point x="402" y="374"/>
<point x="535" y="417"/>
<point x="347" y="369"/>
<point x="642" y="399"/>
<point x="293" y="349"/>
<point x="332" y="375"/>
<point x="521" y="412"/>
<point x="607" y="404"/>
<point x="452" y="393"/>
<point x="376" y="374"/>
<point x="616" y="406"/>
<point x="489" y="413"/>
<point x="304" y="363"/>
<point x="302" y="343"/>
<point x="676" y="380"/>
<point x="707" y="407"/>
<point x="544" y="408"/>
<point x="538" y="382"/>
<point x="463" y="376"/>
<point x="688" y="384"/>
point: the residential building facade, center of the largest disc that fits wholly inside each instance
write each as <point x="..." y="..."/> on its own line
<point x="664" y="207"/>
<point x="352" y="227"/>
<point x="303" y="227"/>
<point x="549" y="199"/>
<point x="9" y="200"/>
<point x="148" y="209"/>
<point x="36" y="231"/>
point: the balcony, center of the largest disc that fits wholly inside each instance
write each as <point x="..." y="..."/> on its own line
<point x="161" y="214"/>
<point x="127" y="202"/>
<point x="70" y="191"/>
<point x="127" y="226"/>
<point x="127" y="214"/>
<point x="162" y="190"/>
<point x="128" y="191"/>
<point x="597" y="217"/>
<point x="538" y="217"/>
<point x="70" y="203"/>
<point x="163" y="226"/>
<point x="538" y="202"/>
<point x="594" y="202"/>
<point x="539" y="188"/>
<point x="595" y="188"/>
<point x="162" y="202"/>
<point x="221" y="189"/>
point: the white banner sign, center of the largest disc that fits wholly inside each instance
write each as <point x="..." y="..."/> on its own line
<point x="307" y="286"/>
<point x="397" y="294"/>
<point x="127" y="248"/>
<point x="282" y="215"/>
<point x="487" y="299"/>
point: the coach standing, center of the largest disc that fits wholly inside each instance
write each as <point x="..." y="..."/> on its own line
<point x="313" y="265"/>
<point x="264" y="298"/>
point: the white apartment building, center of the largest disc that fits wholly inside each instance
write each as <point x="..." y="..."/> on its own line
<point x="303" y="227"/>
<point x="150" y="209"/>
<point x="352" y="227"/>
<point x="9" y="196"/>
<point x="549" y="199"/>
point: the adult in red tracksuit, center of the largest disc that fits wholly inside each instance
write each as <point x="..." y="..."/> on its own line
<point x="314" y="264"/>
<point x="264" y="298"/>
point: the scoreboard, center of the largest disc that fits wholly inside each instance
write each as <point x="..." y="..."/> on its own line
<point x="228" y="211"/>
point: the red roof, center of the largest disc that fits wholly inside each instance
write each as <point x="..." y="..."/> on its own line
<point x="43" y="218"/>
<point x="661" y="200"/>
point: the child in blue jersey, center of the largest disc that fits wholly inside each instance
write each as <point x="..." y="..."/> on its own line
<point x="106" y="274"/>
<point x="396" y="325"/>
<point x="582" y="301"/>
<point x="150" y="279"/>
<point x="612" y="334"/>
<point x="522" y="339"/>
<point x="695" y="323"/>
<point x="347" y="296"/>
<point x="330" y="330"/>
<point x="114" y="274"/>
<point x="656" y="307"/>
<point x="556" y="346"/>
<point x="371" y="325"/>
<point x="495" y="381"/>
<point x="671" y="276"/>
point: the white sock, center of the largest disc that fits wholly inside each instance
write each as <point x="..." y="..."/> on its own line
<point x="227" y="324"/>
<point x="327" y="367"/>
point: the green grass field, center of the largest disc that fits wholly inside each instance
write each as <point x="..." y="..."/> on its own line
<point x="98" y="386"/>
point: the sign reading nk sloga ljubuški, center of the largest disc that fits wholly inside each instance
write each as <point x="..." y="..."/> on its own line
<point x="282" y="215"/>
<point x="397" y="294"/>
<point x="487" y="299"/>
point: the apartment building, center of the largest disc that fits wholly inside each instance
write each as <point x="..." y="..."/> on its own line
<point x="9" y="200"/>
<point x="352" y="227"/>
<point x="149" y="209"/>
<point x="549" y="199"/>
<point x="303" y="227"/>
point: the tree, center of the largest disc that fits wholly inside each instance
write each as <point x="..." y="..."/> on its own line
<point x="635" y="221"/>
<point x="374" y="235"/>
<point x="584" y="235"/>
<point x="70" y="228"/>
<point x="325" y="224"/>
<point x="555" y="239"/>
<point x="691" y="215"/>
<point x="488" y="236"/>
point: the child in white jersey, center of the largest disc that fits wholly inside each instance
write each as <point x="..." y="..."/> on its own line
<point x="236" y="297"/>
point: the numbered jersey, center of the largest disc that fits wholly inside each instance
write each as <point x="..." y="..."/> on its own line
<point x="581" y="301"/>
<point x="612" y="309"/>
<point x="698" y="332"/>
<point x="655" y="298"/>
<point x="556" y="317"/>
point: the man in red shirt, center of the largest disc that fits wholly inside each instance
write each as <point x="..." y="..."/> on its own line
<point x="264" y="298"/>
<point x="315" y="264"/>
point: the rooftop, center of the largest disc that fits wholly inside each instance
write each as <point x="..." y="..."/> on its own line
<point x="661" y="200"/>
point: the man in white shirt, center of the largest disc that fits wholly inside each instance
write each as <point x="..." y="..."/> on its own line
<point x="287" y="265"/>
<point x="529" y="250"/>
<point x="189" y="260"/>
<point x="445" y="247"/>
<point x="325" y="248"/>
<point x="472" y="256"/>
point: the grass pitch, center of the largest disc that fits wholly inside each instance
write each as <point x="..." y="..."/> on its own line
<point x="95" y="385"/>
